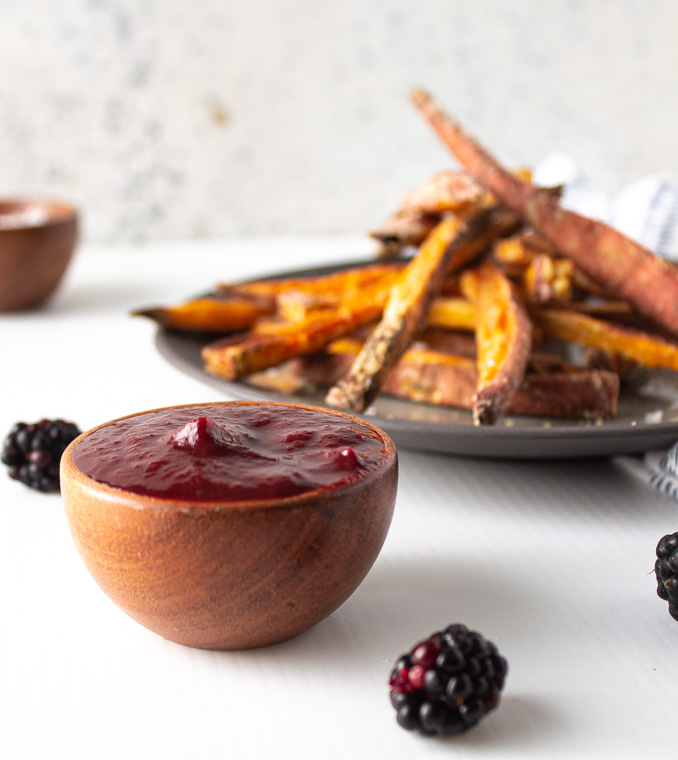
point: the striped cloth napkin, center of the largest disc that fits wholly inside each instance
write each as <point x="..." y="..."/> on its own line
<point x="647" y="211"/>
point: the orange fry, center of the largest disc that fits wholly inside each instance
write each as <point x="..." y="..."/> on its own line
<point x="452" y="313"/>
<point x="503" y="338"/>
<point x="296" y="305"/>
<point x="513" y="251"/>
<point x="548" y="280"/>
<point x="257" y="351"/>
<point x="338" y="283"/>
<point x="647" y="350"/>
<point x="210" y="314"/>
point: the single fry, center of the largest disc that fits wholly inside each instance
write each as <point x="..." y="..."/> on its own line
<point x="460" y="314"/>
<point x="340" y="283"/>
<point x="503" y="338"/>
<point x="296" y="305"/>
<point x="453" y="243"/>
<point x="258" y="351"/>
<point x="643" y="348"/>
<point x="631" y="271"/>
<point x="210" y="314"/>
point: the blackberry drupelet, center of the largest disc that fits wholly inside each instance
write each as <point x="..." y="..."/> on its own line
<point x="447" y="683"/>
<point x="666" y="570"/>
<point x="33" y="452"/>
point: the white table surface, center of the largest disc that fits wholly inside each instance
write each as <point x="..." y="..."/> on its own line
<point x="553" y="561"/>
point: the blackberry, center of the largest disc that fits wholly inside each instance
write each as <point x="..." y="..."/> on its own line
<point x="666" y="571"/>
<point x="447" y="683"/>
<point x="33" y="452"/>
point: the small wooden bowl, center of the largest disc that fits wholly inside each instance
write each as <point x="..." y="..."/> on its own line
<point x="231" y="575"/>
<point x="37" y="240"/>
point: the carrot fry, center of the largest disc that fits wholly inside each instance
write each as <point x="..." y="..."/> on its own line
<point x="643" y="348"/>
<point x="452" y="244"/>
<point x="636" y="274"/>
<point x="503" y="338"/>
<point x="210" y="314"/>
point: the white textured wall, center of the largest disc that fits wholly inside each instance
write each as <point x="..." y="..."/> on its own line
<point x="187" y="118"/>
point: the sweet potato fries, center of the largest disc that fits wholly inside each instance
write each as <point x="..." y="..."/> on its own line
<point x="641" y="277"/>
<point x="502" y="283"/>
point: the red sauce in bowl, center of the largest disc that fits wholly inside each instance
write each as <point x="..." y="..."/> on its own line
<point x="229" y="452"/>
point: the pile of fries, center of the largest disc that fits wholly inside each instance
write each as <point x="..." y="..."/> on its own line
<point x="499" y="271"/>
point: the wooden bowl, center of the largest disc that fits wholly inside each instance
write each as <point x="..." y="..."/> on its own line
<point x="37" y="240"/>
<point x="231" y="575"/>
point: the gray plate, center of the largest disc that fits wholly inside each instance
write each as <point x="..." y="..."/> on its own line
<point x="647" y="417"/>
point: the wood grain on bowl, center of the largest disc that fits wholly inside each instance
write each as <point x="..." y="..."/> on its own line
<point x="232" y="575"/>
<point x="37" y="241"/>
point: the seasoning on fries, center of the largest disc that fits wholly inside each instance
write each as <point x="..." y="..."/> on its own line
<point x="499" y="270"/>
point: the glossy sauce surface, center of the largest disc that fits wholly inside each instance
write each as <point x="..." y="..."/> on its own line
<point x="229" y="452"/>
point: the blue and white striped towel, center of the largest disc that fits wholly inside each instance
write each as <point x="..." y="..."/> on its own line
<point x="647" y="211"/>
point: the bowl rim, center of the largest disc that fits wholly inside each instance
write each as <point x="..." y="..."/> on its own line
<point x="57" y="211"/>
<point x="68" y="468"/>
